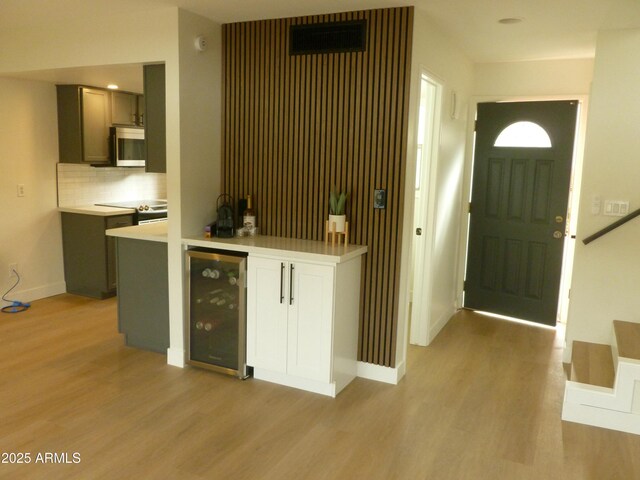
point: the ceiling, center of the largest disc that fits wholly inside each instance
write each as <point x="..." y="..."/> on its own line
<point x="550" y="29"/>
<point x="127" y="77"/>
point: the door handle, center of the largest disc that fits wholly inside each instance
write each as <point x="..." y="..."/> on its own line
<point x="418" y="231"/>
<point x="291" y="267"/>
<point x="281" y="282"/>
<point x="558" y="235"/>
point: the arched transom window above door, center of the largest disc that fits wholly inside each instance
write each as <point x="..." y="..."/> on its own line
<point x="523" y="135"/>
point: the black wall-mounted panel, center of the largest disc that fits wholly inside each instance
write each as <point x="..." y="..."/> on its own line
<point x="331" y="37"/>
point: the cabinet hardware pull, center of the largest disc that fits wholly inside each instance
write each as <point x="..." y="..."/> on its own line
<point x="281" y="282"/>
<point x="291" y="284"/>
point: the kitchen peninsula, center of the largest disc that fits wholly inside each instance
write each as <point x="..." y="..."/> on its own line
<point x="303" y="302"/>
<point x="143" y="285"/>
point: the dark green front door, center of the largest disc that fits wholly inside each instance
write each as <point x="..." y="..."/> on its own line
<point x="518" y="210"/>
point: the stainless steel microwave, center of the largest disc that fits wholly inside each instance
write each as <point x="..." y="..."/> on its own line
<point x="128" y="148"/>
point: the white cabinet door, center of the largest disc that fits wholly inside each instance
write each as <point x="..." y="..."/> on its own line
<point x="310" y="302"/>
<point x="267" y="304"/>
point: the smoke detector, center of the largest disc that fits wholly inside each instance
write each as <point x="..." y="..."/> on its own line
<point x="201" y="43"/>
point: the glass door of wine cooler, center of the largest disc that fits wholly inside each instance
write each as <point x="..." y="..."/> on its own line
<point x="217" y="311"/>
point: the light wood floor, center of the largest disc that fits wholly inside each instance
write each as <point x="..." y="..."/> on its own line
<point x="483" y="402"/>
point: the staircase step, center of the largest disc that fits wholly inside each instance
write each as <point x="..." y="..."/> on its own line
<point x="592" y="363"/>
<point x="628" y="338"/>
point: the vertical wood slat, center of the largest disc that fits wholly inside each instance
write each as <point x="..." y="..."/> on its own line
<point x="294" y="126"/>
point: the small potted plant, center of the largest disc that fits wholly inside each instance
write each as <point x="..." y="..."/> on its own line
<point x="337" y="204"/>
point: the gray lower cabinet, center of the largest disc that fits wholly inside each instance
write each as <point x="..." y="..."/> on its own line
<point x="143" y="294"/>
<point x="89" y="255"/>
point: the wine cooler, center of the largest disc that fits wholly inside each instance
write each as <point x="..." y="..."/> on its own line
<point x="217" y="311"/>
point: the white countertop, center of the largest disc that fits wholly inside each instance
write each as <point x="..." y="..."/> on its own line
<point x="97" y="210"/>
<point x="310" y="250"/>
<point x="288" y="247"/>
<point x="153" y="232"/>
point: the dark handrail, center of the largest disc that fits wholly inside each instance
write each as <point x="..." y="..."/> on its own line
<point x="613" y="226"/>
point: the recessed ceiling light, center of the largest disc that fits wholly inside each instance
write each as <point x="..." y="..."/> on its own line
<point x="510" y="20"/>
<point x="112" y="86"/>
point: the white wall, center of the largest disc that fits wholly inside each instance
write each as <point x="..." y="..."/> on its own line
<point x="527" y="79"/>
<point x="30" y="233"/>
<point x="98" y="40"/>
<point x="433" y="51"/>
<point x="201" y="117"/>
<point x="193" y="174"/>
<point x="607" y="272"/>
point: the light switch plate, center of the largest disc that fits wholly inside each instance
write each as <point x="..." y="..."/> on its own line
<point x="379" y="198"/>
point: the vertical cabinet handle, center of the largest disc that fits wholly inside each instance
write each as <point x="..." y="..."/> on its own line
<point x="281" y="282"/>
<point x="291" y="284"/>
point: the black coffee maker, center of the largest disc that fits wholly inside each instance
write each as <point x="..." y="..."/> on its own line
<point x="225" y="224"/>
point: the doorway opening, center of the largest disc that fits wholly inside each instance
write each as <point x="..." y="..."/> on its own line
<point x="519" y="242"/>
<point x="428" y="134"/>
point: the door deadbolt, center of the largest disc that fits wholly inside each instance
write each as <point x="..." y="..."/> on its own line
<point x="418" y="231"/>
<point x="559" y="219"/>
<point x="557" y="234"/>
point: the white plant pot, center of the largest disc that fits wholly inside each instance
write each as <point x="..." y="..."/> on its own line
<point x="339" y="220"/>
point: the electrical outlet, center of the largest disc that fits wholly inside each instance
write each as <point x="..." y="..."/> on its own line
<point x="20" y="190"/>
<point x="616" y="208"/>
<point x="13" y="268"/>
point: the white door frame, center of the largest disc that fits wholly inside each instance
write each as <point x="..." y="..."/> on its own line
<point x="425" y="206"/>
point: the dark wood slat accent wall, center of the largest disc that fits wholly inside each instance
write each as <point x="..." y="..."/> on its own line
<point x="293" y="126"/>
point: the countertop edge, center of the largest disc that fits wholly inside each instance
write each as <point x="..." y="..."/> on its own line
<point x="151" y="232"/>
<point x="338" y="254"/>
<point x="98" y="211"/>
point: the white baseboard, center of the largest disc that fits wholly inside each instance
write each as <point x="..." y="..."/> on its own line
<point x="566" y="353"/>
<point x="439" y="324"/>
<point x="380" y="373"/>
<point x="306" y="384"/>
<point x="36" y="293"/>
<point x="175" y="357"/>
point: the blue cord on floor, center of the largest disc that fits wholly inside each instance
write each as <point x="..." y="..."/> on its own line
<point x="16" y="306"/>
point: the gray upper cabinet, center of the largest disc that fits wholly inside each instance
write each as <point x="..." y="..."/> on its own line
<point x="84" y="118"/>
<point x="155" y="118"/>
<point x="140" y="99"/>
<point x="124" y="109"/>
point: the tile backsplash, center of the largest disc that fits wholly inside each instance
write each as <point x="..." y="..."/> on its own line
<point x="86" y="185"/>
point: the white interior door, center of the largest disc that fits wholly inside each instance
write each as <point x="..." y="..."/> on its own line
<point x="424" y="211"/>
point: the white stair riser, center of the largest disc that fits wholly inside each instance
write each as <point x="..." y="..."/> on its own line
<point x="615" y="408"/>
<point x="601" y="417"/>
